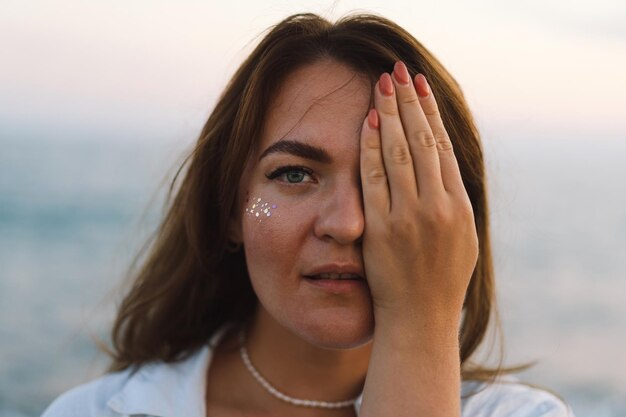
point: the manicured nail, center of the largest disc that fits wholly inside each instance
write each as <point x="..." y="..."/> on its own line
<point x="372" y="119"/>
<point x="385" y="85"/>
<point x="401" y="73"/>
<point x="421" y="85"/>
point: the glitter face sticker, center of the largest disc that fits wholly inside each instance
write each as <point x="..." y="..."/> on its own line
<point x="260" y="209"/>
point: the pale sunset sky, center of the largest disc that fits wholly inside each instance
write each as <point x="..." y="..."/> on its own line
<point x="148" y="70"/>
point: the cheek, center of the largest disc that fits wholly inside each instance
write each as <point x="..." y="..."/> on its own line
<point x="258" y="209"/>
<point x="270" y="237"/>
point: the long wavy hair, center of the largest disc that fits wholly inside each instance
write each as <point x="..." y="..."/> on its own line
<point x="189" y="284"/>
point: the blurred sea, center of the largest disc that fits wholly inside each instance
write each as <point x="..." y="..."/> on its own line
<point x="73" y="213"/>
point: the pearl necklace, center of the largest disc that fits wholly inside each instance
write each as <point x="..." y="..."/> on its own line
<point x="295" y="401"/>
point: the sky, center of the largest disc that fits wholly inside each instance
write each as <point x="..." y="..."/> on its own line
<point x="146" y="70"/>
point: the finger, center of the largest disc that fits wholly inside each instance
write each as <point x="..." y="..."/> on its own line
<point x="418" y="133"/>
<point x="373" y="175"/>
<point x="395" y="148"/>
<point x="450" y="172"/>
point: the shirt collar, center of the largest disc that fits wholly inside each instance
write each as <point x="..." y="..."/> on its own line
<point x="168" y="389"/>
<point x="172" y="389"/>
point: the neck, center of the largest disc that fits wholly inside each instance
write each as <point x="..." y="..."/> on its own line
<point x="302" y="370"/>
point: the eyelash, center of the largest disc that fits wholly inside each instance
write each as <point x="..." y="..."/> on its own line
<point x="287" y="169"/>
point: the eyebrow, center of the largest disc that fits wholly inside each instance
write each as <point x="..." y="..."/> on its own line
<point x="300" y="149"/>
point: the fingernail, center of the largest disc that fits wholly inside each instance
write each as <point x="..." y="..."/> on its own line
<point x="372" y="119"/>
<point x="385" y="85"/>
<point x="401" y="73"/>
<point x="421" y="85"/>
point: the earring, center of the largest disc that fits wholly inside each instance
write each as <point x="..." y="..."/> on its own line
<point x="232" y="246"/>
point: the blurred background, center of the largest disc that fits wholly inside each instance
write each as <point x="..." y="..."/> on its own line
<point x="99" y="101"/>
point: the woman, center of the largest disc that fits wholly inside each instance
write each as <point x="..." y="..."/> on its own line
<point x="327" y="252"/>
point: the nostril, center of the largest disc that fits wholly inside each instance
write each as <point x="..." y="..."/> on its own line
<point x="341" y="218"/>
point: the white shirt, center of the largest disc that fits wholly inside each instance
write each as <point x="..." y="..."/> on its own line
<point x="178" y="390"/>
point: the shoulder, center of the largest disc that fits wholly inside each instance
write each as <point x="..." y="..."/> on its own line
<point x="89" y="399"/>
<point x="155" y="388"/>
<point x="508" y="397"/>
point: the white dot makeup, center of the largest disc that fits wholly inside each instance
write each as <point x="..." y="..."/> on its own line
<point x="260" y="209"/>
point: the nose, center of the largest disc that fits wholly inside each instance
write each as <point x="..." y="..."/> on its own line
<point x="341" y="217"/>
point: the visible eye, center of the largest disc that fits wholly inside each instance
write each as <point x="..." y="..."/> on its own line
<point x="292" y="174"/>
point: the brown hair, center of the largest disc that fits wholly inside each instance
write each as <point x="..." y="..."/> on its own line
<point x="190" y="284"/>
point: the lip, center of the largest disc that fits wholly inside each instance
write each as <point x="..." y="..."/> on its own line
<point x="336" y="286"/>
<point x="337" y="268"/>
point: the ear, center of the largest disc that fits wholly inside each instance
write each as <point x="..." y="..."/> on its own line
<point x="235" y="221"/>
<point x="235" y="232"/>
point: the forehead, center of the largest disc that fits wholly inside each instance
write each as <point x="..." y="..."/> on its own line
<point x="316" y="100"/>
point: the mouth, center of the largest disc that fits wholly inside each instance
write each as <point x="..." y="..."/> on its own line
<point x="338" y="284"/>
<point x="335" y="277"/>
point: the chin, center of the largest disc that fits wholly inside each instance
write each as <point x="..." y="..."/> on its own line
<point x="327" y="323"/>
<point x="338" y="331"/>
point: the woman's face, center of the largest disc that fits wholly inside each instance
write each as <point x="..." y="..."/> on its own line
<point x="298" y="221"/>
